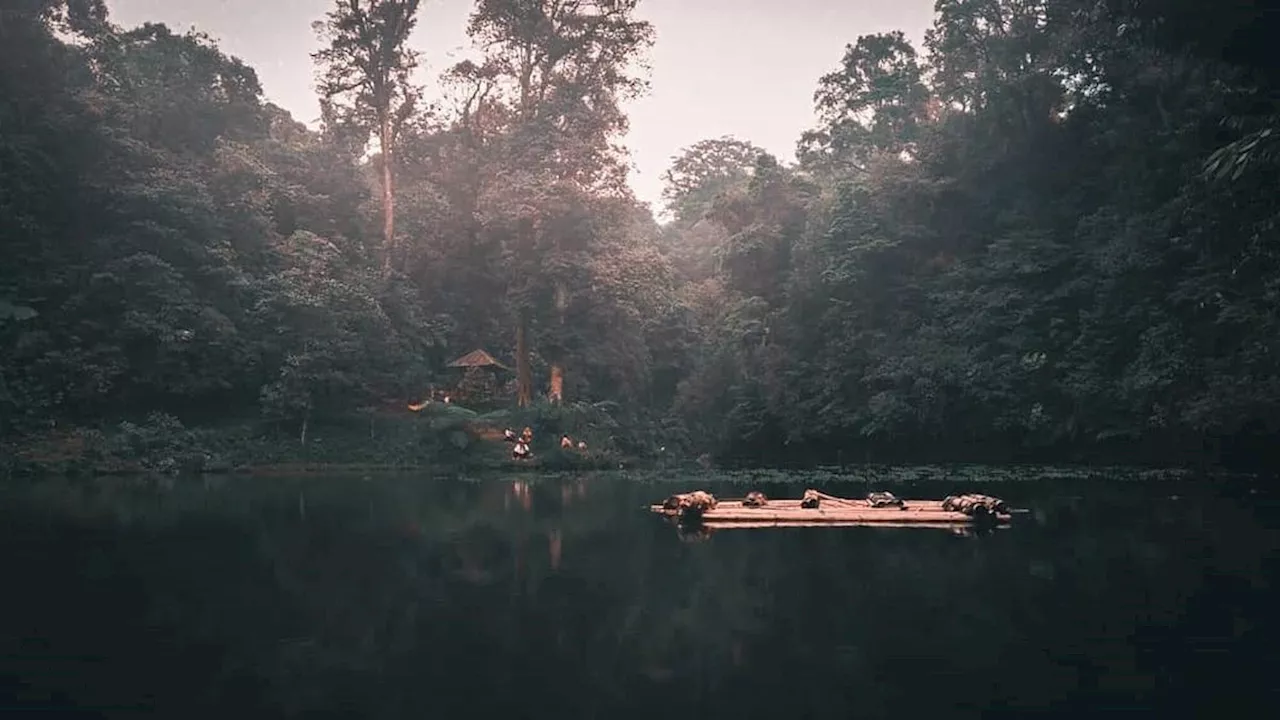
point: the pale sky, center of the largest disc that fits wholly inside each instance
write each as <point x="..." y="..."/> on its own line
<point x="746" y="68"/>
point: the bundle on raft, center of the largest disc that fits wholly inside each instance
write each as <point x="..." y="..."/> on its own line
<point x="974" y="504"/>
<point x="817" y="508"/>
<point x="689" y="505"/>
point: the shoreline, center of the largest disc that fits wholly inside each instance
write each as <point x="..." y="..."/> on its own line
<point x="869" y="473"/>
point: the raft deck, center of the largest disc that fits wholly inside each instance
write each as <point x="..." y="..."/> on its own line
<point x="914" y="513"/>
<point x="954" y="527"/>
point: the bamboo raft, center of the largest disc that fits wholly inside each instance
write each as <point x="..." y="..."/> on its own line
<point x="702" y="509"/>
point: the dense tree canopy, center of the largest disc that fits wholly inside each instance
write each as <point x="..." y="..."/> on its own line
<point x="1051" y="230"/>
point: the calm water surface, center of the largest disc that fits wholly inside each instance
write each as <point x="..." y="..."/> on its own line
<point x="559" y="597"/>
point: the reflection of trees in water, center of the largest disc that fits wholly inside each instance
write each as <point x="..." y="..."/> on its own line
<point x="343" y="579"/>
<point x="555" y="547"/>
<point x="399" y="596"/>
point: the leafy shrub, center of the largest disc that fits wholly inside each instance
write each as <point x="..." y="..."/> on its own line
<point x="161" y="443"/>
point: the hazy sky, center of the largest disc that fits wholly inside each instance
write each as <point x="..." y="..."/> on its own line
<point x="746" y="68"/>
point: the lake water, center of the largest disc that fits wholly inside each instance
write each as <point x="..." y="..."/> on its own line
<point x="561" y="597"/>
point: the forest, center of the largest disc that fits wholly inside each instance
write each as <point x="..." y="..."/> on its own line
<point x="1049" y="234"/>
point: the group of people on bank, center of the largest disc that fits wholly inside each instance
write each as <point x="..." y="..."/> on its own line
<point x="520" y="443"/>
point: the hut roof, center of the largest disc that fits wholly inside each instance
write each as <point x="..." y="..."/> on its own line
<point x="477" y="358"/>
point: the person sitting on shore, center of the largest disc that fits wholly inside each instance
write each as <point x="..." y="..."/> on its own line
<point x="521" y="451"/>
<point x="565" y="442"/>
<point x="508" y="435"/>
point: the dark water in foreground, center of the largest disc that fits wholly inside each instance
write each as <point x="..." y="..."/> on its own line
<point x="561" y="598"/>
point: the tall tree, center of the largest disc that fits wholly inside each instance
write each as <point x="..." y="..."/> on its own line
<point x="873" y="102"/>
<point x="365" y="82"/>
<point x="703" y="170"/>
<point x="697" y="177"/>
<point x="563" y="68"/>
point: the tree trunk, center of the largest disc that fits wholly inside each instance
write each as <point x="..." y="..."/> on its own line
<point x="556" y="392"/>
<point x="557" y="383"/>
<point x="524" y="373"/>
<point x="388" y="194"/>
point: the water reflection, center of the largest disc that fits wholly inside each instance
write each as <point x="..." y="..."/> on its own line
<point x="531" y="597"/>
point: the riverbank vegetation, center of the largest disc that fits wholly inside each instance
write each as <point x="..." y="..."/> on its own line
<point x="1049" y="233"/>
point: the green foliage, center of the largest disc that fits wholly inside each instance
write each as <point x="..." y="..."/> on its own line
<point x="1059" y="244"/>
<point x="161" y="443"/>
<point x="1051" y="233"/>
<point x="703" y="171"/>
<point x="178" y="248"/>
<point x="365" y="66"/>
<point x="873" y="103"/>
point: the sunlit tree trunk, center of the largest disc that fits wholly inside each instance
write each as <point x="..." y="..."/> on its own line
<point x="524" y="373"/>
<point x="388" y="194"/>
<point x="556" y="390"/>
<point x="557" y="383"/>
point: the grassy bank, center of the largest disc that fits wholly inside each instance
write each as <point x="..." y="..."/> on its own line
<point x="438" y="437"/>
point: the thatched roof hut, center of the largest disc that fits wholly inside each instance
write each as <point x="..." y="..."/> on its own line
<point x="478" y="359"/>
<point x="480" y="380"/>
